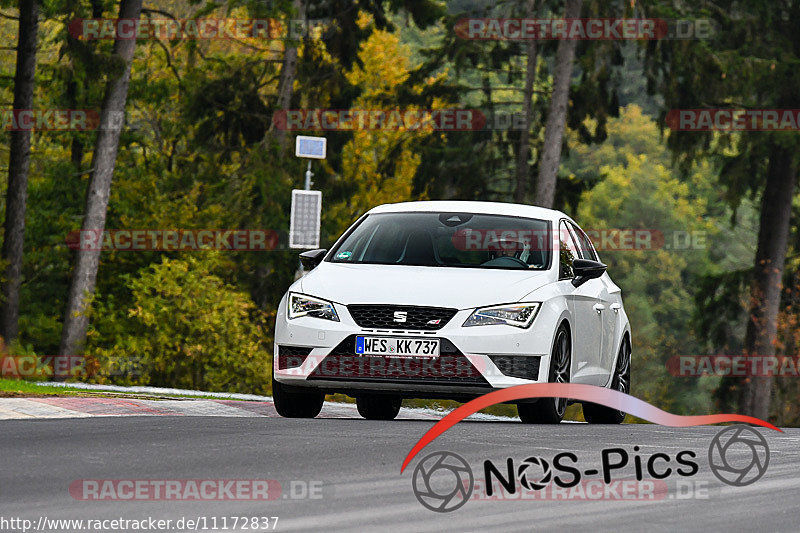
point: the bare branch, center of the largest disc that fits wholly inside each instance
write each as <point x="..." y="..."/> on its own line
<point x="158" y="12"/>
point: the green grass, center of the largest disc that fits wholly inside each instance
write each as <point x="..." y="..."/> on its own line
<point x="30" y="387"/>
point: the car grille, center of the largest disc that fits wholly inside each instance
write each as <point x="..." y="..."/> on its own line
<point x="450" y="368"/>
<point x="292" y="356"/>
<point x="416" y="318"/>
<point x="517" y="366"/>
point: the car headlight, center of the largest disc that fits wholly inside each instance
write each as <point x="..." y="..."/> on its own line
<point x="302" y="305"/>
<point x="519" y="315"/>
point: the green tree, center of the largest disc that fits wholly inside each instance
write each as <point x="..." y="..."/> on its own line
<point x="636" y="189"/>
<point x="749" y="62"/>
<point x="18" y="167"/>
<point x="187" y="328"/>
<point x="103" y="161"/>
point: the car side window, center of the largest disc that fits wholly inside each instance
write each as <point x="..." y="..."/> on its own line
<point x="584" y="244"/>
<point x="567" y="252"/>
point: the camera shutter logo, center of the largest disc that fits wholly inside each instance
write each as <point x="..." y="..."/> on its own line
<point x="527" y="473"/>
<point x="443" y="482"/>
<point x="738" y="455"/>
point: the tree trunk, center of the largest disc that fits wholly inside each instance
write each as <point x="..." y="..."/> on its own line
<point x="18" y="166"/>
<point x="765" y="292"/>
<point x="524" y="148"/>
<point x="77" y="148"/>
<point x="556" y="115"/>
<point x="84" y="276"/>
<point x="288" y="73"/>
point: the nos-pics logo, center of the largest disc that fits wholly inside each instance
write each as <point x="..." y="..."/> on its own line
<point x="443" y="481"/>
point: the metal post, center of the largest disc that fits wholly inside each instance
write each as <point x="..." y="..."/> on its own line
<point x="308" y="176"/>
<point x="300" y="271"/>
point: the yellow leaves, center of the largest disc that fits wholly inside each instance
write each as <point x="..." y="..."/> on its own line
<point x="364" y="20"/>
<point x="386" y="64"/>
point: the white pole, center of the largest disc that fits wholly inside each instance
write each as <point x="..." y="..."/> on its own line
<point x="308" y="176"/>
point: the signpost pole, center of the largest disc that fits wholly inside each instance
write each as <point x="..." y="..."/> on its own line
<point x="309" y="174"/>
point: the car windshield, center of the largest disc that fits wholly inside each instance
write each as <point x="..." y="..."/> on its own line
<point x="447" y="240"/>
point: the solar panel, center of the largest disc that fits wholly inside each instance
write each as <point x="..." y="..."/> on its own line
<point x="304" y="221"/>
<point x="310" y="147"/>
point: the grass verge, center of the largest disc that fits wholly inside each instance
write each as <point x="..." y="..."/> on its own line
<point x="14" y="388"/>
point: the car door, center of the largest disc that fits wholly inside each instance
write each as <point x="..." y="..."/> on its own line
<point x="587" y="319"/>
<point x="606" y="305"/>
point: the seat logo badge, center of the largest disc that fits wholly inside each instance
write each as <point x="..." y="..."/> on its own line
<point x="400" y="316"/>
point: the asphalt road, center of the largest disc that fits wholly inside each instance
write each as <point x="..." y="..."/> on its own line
<point x="357" y="465"/>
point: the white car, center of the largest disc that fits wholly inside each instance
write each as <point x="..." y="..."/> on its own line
<point x="447" y="299"/>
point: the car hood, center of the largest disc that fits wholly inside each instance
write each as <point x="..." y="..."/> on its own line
<point x="461" y="288"/>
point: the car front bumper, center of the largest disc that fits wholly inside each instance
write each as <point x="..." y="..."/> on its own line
<point x="474" y="360"/>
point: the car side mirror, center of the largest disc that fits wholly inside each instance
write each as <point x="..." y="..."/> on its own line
<point x="312" y="258"/>
<point x="586" y="269"/>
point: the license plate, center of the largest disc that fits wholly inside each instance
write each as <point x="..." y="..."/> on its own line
<point x="397" y="346"/>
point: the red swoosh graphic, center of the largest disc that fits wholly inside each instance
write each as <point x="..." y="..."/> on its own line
<point x="588" y="393"/>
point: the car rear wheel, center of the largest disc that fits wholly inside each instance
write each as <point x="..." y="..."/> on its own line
<point x="293" y="404"/>
<point x="378" y="407"/>
<point x="600" y="414"/>
<point x="551" y="410"/>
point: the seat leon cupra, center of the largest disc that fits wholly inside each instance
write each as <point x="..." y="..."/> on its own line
<point x="446" y="299"/>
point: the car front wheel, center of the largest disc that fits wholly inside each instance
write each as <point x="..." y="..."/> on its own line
<point x="551" y="410"/>
<point x="293" y="404"/>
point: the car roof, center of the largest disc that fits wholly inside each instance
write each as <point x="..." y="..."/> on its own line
<point x="482" y="208"/>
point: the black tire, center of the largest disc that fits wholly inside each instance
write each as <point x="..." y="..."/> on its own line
<point x="306" y="404"/>
<point x="375" y="407"/>
<point x="551" y="410"/>
<point x="600" y="414"/>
